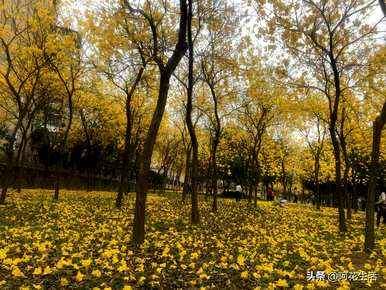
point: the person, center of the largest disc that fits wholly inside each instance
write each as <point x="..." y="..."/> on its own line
<point x="381" y="209"/>
<point x="239" y="190"/>
<point x="270" y="194"/>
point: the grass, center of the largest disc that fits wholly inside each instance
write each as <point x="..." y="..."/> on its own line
<point x="82" y="242"/>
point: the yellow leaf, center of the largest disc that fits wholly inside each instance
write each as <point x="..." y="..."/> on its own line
<point x="244" y="275"/>
<point x="47" y="270"/>
<point x="96" y="273"/>
<point x="282" y="283"/>
<point x="86" y="263"/>
<point x="63" y="282"/>
<point x="79" y="276"/>
<point x="3" y="254"/>
<point x="17" y="273"/>
<point x="240" y="260"/>
<point x="37" y="271"/>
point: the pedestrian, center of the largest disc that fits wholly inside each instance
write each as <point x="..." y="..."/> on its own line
<point x="239" y="191"/>
<point x="381" y="204"/>
<point x="270" y="194"/>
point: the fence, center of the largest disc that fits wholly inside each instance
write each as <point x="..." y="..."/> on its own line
<point x="40" y="177"/>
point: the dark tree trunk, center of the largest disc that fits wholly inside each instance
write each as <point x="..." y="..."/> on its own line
<point x="10" y="167"/>
<point x="378" y="125"/>
<point x="347" y="164"/>
<point x="143" y="176"/>
<point x="123" y="183"/>
<point x="250" y="190"/>
<point x="64" y="142"/>
<point x="214" y="176"/>
<point x="187" y="181"/>
<point x="165" y="74"/>
<point x="355" y="193"/>
<point x="216" y="141"/>
<point x="382" y="3"/>
<point x="338" y="182"/>
<point x="317" y="188"/>
<point x="334" y="109"/>
<point x="258" y="174"/>
<point x="7" y="177"/>
<point x="347" y="194"/>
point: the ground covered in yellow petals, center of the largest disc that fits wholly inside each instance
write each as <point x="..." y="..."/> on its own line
<point x="82" y="242"/>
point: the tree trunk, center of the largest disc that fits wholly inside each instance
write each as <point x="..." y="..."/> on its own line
<point x="250" y="191"/>
<point x="187" y="173"/>
<point x="63" y="146"/>
<point x="284" y="180"/>
<point x="123" y="183"/>
<point x="338" y="181"/>
<point x="124" y="171"/>
<point x="214" y="179"/>
<point x="334" y="109"/>
<point x="216" y="141"/>
<point x="317" y="188"/>
<point x="143" y="176"/>
<point x="378" y="125"/>
<point x="355" y="194"/>
<point x="257" y="184"/>
<point x="165" y="74"/>
<point x="383" y="6"/>
<point x="11" y="160"/>
<point x="347" y="164"/>
<point x="6" y="180"/>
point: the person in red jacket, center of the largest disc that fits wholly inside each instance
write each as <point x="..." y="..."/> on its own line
<point x="270" y="194"/>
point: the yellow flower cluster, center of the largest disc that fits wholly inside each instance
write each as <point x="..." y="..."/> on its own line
<point x="83" y="242"/>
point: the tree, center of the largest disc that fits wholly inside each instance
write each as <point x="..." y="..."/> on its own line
<point x="191" y="174"/>
<point x="168" y="149"/>
<point x="166" y="69"/>
<point x="378" y="126"/>
<point x="316" y="147"/>
<point x="217" y="67"/>
<point x="195" y="216"/>
<point x="123" y="64"/>
<point x="23" y="40"/>
<point x="379" y="123"/>
<point x="328" y="39"/>
<point x="64" y="57"/>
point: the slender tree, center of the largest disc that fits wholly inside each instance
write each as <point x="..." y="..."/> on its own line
<point x="166" y="70"/>
<point x="329" y="39"/>
<point x="195" y="216"/>
<point x="378" y="125"/>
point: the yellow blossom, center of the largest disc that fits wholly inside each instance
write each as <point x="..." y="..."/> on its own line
<point x="240" y="260"/>
<point x="96" y="273"/>
<point x="63" y="282"/>
<point x="79" y="276"/>
<point x="244" y="275"/>
<point x="86" y="263"/>
<point x="282" y="283"/>
<point x="17" y="272"/>
<point x="3" y="254"/>
<point x="37" y="271"/>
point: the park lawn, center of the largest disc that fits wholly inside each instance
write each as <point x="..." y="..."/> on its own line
<point x="82" y="242"/>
